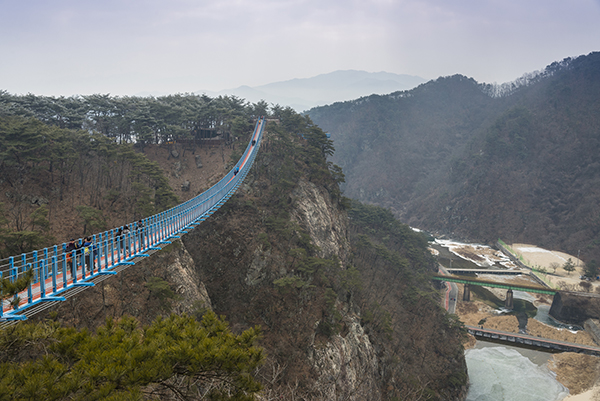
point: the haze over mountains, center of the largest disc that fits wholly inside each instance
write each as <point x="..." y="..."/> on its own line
<point x="304" y="93"/>
<point x="460" y="157"/>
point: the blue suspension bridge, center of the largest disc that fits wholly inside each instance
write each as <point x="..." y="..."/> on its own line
<point x="59" y="273"/>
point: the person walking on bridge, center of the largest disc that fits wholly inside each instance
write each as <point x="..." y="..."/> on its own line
<point x="69" y="256"/>
<point x="140" y="232"/>
<point x="87" y="253"/>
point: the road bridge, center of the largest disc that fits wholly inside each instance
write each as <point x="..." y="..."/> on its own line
<point x="525" y="340"/>
<point x="59" y="273"/>
<point x="449" y="300"/>
<point x="495" y="284"/>
<point x="510" y="287"/>
<point x="487" y="271"/>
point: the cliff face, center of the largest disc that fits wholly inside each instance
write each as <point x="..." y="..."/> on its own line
<point x="325" y="222"/>
<point x="302" y="359"/>
<point x="346" y="313"/>
<point x="348" y="367"/>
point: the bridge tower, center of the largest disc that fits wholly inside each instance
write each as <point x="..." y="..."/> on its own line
<point x="467" y="293"/>
<point x="509" y="303"/>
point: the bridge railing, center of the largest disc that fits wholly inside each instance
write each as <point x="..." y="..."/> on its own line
<point x="56" y="270"/>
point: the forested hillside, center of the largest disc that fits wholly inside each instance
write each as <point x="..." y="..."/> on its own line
<point x="326" y="299"/>
<point x="58" y="182"/>
<point x="517" y="162"/>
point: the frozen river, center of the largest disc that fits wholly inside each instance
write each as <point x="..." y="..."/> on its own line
<point x="504" y="373"/>
<point x="501" y="372"/>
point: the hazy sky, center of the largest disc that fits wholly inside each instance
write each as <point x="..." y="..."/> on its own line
<point x="128" y="47"/>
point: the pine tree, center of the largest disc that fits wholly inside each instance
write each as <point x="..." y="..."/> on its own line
<point x="569" y="266"/>
<point x="177" y="356"/>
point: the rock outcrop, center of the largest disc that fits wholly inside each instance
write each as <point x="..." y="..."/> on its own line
<point x="575" y="308"/>
<point x="348" y="365"/>
<point x="327" y="225"/>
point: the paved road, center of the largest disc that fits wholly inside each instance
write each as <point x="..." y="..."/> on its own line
<point x="449" y="301"/>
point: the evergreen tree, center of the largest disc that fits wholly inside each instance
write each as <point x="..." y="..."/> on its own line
<point x="591" y="268"/>
<point x="177" y="356"/>
<point x="569" y="266"/>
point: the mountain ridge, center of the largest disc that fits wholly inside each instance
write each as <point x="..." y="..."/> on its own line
<point x="304" y="93"/>
<point x="451" y="157"/>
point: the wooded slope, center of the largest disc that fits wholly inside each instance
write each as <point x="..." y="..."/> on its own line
<point x="341" y="292"/>
<point x="518" y="162"/>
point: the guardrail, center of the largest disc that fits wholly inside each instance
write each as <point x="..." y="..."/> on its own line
<point x="487" y="283"/>
<point x="59" y="271"/>
<point x="529" y="341"/>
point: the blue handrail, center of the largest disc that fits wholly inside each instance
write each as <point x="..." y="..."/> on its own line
<point x="55" y="270"/>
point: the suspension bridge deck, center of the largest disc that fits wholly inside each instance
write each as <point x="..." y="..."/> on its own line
<point x="110" y="253"/>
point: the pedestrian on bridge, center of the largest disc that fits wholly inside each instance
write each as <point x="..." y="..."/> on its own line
<point x="140" y="232"/>
<point x="69" y="255"/>
<point x="125" y="241"/>
<point x="88" y="253"/>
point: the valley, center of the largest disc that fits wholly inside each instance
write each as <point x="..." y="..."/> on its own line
<point x="334" y="285"/>
<point x="482" y="311"/>
<point x="455" y="158"/>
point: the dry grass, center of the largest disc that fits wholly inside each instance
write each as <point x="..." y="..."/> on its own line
<point x="471" y="313"/>
<point x="577" y="372"/>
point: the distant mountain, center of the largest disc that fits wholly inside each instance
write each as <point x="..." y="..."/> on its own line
<point x="304" y="93"/>
<point x="519" y="162"/>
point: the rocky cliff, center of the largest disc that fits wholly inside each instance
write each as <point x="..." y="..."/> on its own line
<point x="575" y="308"/>
<point x="345" y="305"/>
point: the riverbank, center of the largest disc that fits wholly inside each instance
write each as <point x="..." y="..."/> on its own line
<point x="474" y="312"/>
<point x="579" y="373"/>
<point x="590" y="395"/>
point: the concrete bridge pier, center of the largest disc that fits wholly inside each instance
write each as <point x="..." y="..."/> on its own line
<point x="509" y="303"/>
<point x="467" y="293"/>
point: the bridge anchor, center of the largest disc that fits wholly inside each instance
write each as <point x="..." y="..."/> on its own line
<point x="467" y="293"/>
